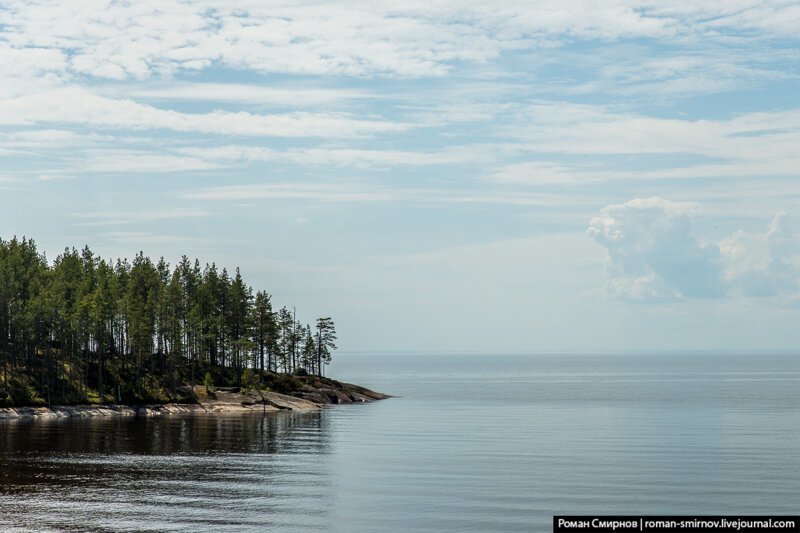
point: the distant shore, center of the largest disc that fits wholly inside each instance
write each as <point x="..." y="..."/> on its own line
<point x="221" y="400"/>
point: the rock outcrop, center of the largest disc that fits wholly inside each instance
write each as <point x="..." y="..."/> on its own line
<point x="304" y="394"/>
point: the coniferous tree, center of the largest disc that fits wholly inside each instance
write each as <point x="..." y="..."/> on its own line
<point x="289" y="339"/>
<point x="142" y="297"/>
<point x="326" y="342"/>
<point x="264" y="330"/>
<point x="101" y="318"/>
<point x="309" y="351"/>
<point x="84" y="328"/>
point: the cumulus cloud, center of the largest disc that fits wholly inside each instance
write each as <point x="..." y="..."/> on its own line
<point x="654" y="254"/>
<point x="763" y="264"/>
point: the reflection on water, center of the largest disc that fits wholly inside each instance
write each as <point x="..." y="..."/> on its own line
<point x="471" y="443"/>
<point x="238" y="472"/>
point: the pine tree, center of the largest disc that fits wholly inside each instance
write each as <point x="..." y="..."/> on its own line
<point x="84" y="324"/>
<point x="264" y="330"/>
<point x="326" y="342"/>
<point x="309" y="350"/>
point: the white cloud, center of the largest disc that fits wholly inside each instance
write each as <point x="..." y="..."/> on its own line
<point x="355" y="193"/>
<point x="654" y="254"/>
<point x="765" y="264"/>
<point x="88" y="109"/>
<point x="777" y="18"/>
<point x="562" y="127"/>
<point x="758" y="144"/>
<point x="104" y="218"/>
<point x="415" y="38"/>
<point x="138" y="238"/>
<point x="510" y="198"/>
<point x="256" y="94"/>
<point x="667" y="73"/>
<point x="542" y="172"/>
<point x="456" y="155"/>
<point x="535" y="173"/>
<point x="45" y="137"/>
<point x="307" y="191"/>
<point x="54" y="177"/>
<point x="133" y="161"/>
<point x="43" y="143"/>
<point x="25" y="67"/>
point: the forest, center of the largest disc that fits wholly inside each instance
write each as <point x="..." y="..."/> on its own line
<point x="84" y="329"/>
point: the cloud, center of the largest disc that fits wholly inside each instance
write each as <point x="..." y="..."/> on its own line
<point x="654" y="72"/>
<point x="106" y="218"/>
<point x="307" y="191"/>
<point x="756" y="144"/>
<point x="536" y="173"/>
<point x="25" y="65"/>
<point x="134" y="161"/>
<point x="114" y="41"/>
<point x="137" y="238"/>
<point x="54" y="177"/>
<point x="123" y="41"/>
<point x="763" y="264"/>
<point x="88" y="109"/>
<point x="454" y="155"/>
<point x="48" y="138"/>
<point x="655" y="255"/>
<point x="259" y="95"/>
<point x="355" y="193"/>
<point x="510" y="198"/>
<point x="44" y="143"/>
<point x="566" y="128"/>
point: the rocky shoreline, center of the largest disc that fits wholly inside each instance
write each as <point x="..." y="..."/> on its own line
<point x="312" y="394"/>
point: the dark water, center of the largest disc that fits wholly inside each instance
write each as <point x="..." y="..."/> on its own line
<point x="475" y="443"/>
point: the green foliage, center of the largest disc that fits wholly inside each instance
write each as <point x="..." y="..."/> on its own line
<point x="249" y="380"/>
<point x="325" y="342"/>
<point x="20" y="390"/>
<point x="85" y="329"/>
<point x="282" y="383"/>
<point x="208" y="382"/>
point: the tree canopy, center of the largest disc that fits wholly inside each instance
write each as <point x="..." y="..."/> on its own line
<point x="85" y="328"/>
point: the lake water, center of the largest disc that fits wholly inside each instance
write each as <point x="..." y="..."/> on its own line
<point x="473" y="443"/>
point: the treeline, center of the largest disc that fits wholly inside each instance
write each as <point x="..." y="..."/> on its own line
<point x="84" y="326"/>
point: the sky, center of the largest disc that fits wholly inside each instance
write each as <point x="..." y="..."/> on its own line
<point x="508" y="176"/>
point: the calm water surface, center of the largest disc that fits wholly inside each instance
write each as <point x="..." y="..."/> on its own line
<point x="473" y="443"/>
